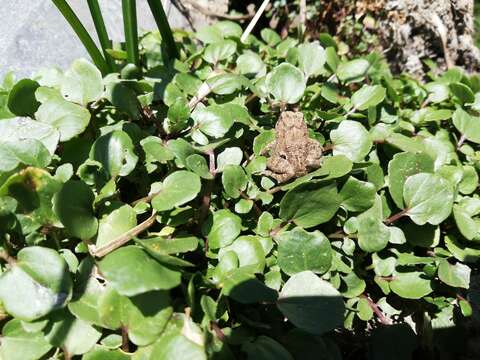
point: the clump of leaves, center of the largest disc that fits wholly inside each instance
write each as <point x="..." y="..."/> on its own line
<point x="137" y="221"/>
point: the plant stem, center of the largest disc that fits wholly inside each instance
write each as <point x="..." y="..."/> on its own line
<point x="162" y="23"/>
<point x="254" y="21"/>
<point x="102" y="33"/>
<point x="125" y="237"/>
<point x="82" y="34"/>
<point x="381" y="317"/>
<point x="395" y="217"/>
<point x="125" y="345"/>
<point x="129" y="12"/>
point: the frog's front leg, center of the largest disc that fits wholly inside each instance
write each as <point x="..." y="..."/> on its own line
<point x="280" y="169"/>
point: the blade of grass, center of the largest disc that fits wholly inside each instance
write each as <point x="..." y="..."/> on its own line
<point x="129" y="12"/>
<point x="102" y="33"/>
<point x="82" y="34"/>
<point x="162" y="23"/>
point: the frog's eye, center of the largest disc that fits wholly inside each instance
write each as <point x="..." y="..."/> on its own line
<point x="283" y="156"/>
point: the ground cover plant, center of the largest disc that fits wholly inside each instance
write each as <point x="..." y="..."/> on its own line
<point x="144" y="213"/>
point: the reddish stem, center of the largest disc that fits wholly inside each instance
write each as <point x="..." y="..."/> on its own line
<point x="395" y="217"/>
<point x="381" y="317"/>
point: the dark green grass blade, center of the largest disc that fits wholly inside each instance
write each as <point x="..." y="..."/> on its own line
<point x="130" y="27"/>
<point x="102" y="33"/>
<point x="164" y="28"/>
<point x="82" y="34"/>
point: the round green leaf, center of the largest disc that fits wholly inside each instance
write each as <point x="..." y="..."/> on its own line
<point x="75" y="336"/>
<point x="249" y="251"/>
<point x="357" y="195"/>
<point x="411" y="285"/>
<point x="18" y="344"/>
<point x="115" y="152"/>
<point x="352" y="71"/>
<point x="212" y="120"/>
<point x="367" y="96"/>
<point x="462" y="92"/>
<point x="401" y="167"/>
<point x="457" y="275"/>
<point x="82" y="82"/>
<point x="352" y="140"/>
<point x="311" y="304"/>
<point x="18" y="129"/>
<point x="225" y="228"/>
<point x="299" y="250"/>
<point x="265" y="348"/>
<point x="73" y="205"/>
<point x="177" y="189"/>
<point x="428" y="198"/>
<point x="234" y="180"/>
<point x="115" y="224"/>
<point x="21" y="99"/>
<point x="286" y="83"/>
<point x="310" y="204"/>
<point x="68" y="118"/>
<point x="131" y="271"/>
<point x="219" y="51"/>
<point x="311" y="58"/>
<point x="198" y="164"/>
<point x="30" y="289"/>
<point x="251" y="64"/>
<point x="467" y="125"/>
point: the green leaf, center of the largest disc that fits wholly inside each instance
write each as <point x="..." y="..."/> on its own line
<point x="101" y="353"/>
<point x="21" y="99"/>
<point x="367" y="96"/>
<point x="352" y="71"/>
<point x="131" y="271"/>
<point x="198" y="164"/>
<point x="352" y="140"/>
<point x="411" y="285"/>
<point x="23" y="152"/>
<point x="373" y="234"/>
<point x="229" y="156"/>
<point x="225" y="228"/>
<point x="115" y="152"/>
<point x="167" y="246"/>
<point x="401" y="167"/>
<point x="457" y="275"/>
<point x="219" y="51"/>
<point x="177" y="189"/>
<point x="82" y="83"/>
<point x="286" y="83"/>
<point x="265" y="348"/>
<point x="311" y="58"/>
<point x="33" y="189"/>
<point x="428" y="198"/>
<point x="18" y="344"/>
<point x="234" y="180"/>
<point x="145" y="315"/>
<point x="357" y="195"/>
<point x="249" y="252"/>
<point x="19" y="129"/>
<point x="115" y="224"/>
<point x="270" y="36"/>
<point x="123" y="98"/>
<point x="30" y="279"/>
<point x="467" y="125"/>
<point x="179" y="347"/>
<point x="462" y="92"/>
<point x="310" y="204"/>
<point x="311" y="304"/>
<point x="213" y="120"/>
<point x="68" y="118"/>
<point x="73" y="205"/>
<point x="299" y="250"/>
<point x="251" y="64"/>
<point x="75" y="336"/>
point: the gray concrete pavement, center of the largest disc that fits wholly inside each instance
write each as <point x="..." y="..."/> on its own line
<point x="33" y="34"/>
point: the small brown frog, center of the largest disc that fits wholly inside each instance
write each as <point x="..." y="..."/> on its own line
<point x="293" y="153"/>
